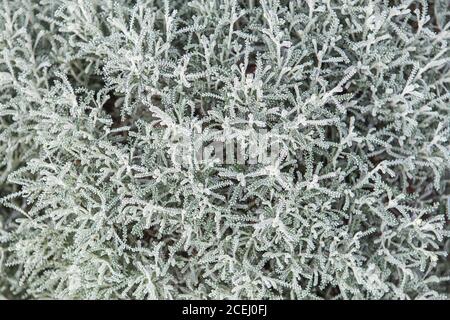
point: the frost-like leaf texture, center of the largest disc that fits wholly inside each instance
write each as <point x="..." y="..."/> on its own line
<point x="104" y="106"/>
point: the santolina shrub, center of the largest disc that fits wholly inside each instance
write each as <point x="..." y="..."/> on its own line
<point x="104" y="106"/>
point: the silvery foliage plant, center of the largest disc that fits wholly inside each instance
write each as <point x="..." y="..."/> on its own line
<point x="133" y="137"/>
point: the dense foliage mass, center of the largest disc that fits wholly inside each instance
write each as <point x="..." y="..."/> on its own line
<point x="96" y="201"/>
